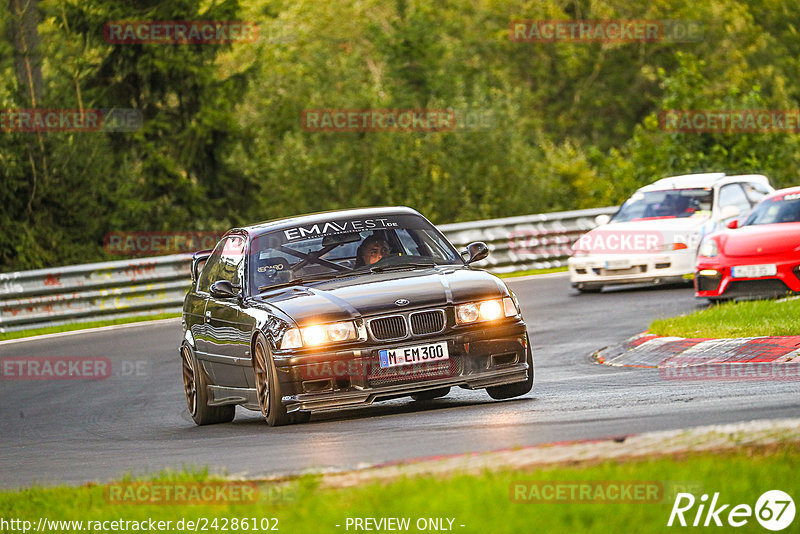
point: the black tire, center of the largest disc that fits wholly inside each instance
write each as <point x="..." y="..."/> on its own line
<point x="195" y="387"/>
<point x="267" y="386"/>
<point x="591" y="289"/>
<point x="516" y="389"/>
<point x="430" y="394"/>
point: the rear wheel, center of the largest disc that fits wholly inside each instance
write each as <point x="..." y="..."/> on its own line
<point x="518" y="388"/>
<point x="268" y="388"/>
<point x="430" y="394"/>
<point x="195" y="387"/>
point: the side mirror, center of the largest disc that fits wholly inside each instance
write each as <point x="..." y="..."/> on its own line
<point x="223" y="289"/>
<point x="734" y="224"/>
<point x="199" y="260"/>
<point x="477" y="251"/>
<point x="728" y="212"/>
<point x="601" y="220"/>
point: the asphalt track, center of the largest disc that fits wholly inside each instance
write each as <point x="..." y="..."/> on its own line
<point x="136" y="420"/>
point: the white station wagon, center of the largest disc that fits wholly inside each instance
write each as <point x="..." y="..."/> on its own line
<point x="654" y="236"/>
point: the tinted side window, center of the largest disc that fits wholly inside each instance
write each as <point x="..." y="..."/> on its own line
<point x="225" y="263"/>
<point x="733" y="195"/>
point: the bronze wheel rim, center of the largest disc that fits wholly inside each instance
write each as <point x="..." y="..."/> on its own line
<point x="262" y="377"/>
<point x="189" y="383"/>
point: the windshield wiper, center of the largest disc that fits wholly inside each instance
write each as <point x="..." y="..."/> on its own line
<point x="400" y="266"/>
<point x="300" y="281"/>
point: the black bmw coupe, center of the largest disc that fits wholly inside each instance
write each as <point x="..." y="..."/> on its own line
<point x="341" y="309"/>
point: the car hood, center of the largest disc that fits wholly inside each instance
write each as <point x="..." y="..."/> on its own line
<point x="761" y="239"/>
<point x="371" y="294"/>
<point x="663" y="231"/>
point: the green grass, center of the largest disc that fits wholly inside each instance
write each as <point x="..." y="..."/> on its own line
<point x="481" y="503"/>
<point x="81" y="326"/>
<point x="534" y="271"/>
<point x="735" y="319"/>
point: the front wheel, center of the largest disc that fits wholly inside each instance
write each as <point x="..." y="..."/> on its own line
<point x="516" y="389"/>
<point x="267" y="386"/>
<point x="195" y="387"/>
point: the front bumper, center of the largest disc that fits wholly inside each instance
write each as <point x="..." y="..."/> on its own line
<point x="480" y="357"/>
<point x="615" y="269"/>
<point x="714" y="279"/>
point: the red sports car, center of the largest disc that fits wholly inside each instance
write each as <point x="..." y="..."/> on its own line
<point x="759" y="258"/>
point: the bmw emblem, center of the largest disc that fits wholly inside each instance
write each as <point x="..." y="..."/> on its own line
<point x="401" y="302"/>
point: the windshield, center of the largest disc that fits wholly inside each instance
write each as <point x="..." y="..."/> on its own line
<point x="674" y="203"/>
<point x="780" y="209"/>
<point x="346" y="247"/>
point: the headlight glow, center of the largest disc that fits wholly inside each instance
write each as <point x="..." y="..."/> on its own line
<point x="491" y="310"/>
<point x="487" y="310"/>
<point x="315" y="335"/>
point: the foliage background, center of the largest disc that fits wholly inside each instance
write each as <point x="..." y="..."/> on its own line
<point x="574" y="124"/>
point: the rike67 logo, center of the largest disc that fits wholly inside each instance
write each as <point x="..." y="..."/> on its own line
<point x="774" y="510"/>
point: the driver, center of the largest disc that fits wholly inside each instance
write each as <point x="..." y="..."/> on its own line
<point x="372" y="249"/>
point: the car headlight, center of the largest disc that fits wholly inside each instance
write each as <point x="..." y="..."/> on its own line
<point x="319" y="334"/>
<point x="709" y="249"/>
<point x="487" y="310"/>
<point x="670" y="247"/>
<point x="291" y="339"/>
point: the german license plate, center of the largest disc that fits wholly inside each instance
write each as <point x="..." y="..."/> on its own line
<point x="754" y="271"/>
<point x="432" y="352"/>
<point x="613" y="265"/>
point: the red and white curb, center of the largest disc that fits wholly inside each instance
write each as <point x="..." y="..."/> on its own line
<point x="651" y="351"/>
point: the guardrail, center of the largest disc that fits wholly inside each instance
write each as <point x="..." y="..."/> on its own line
<point x="119" y="289"/>
<point x="537" y="241"/>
